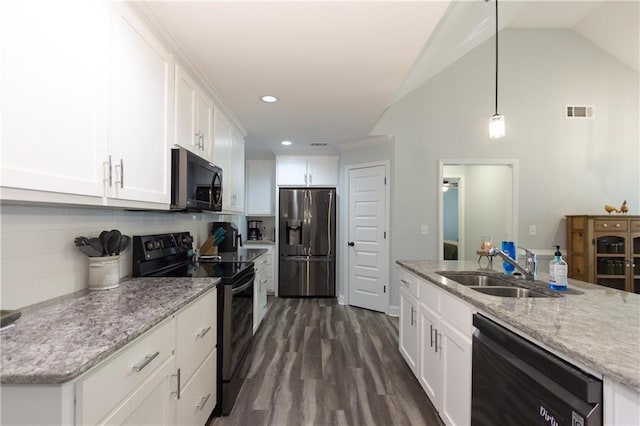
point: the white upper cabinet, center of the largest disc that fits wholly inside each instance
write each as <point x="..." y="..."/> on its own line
<point x="193" y="116"/>
<point x="237" y="173"/>
<point x="307" y="171"/>
<point x="140" y="99"/>
<point x="228" y="153"/>
<point x="260" y="184"/>
<point x="52" y="90"/>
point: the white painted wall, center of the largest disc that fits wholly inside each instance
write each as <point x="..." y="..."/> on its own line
<point x="40" y="261"/>
<point x="565" y="166"/>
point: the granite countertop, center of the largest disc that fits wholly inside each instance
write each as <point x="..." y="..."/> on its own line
<point x="56" y="341"/>
<point x="242" y="255"/>
<point x="599" y="328"/>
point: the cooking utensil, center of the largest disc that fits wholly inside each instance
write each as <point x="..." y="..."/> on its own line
<point x="113" y="242"/>
<point x="81" y="241"/>
<point x="96" y="244"/>
<point x="124" y="243"/>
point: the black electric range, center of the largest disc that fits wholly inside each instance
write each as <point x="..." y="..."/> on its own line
<point x="171" y="255"/>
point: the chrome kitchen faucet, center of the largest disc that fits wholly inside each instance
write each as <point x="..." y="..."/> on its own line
<point x="530" y="271"/>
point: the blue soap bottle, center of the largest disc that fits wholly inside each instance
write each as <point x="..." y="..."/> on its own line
<point x="558" y="271"/>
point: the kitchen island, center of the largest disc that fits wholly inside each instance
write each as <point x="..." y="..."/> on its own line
<point x="598" y="330"/>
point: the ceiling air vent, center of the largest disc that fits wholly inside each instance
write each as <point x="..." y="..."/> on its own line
<point x="579" y="111"/>
<point x="318" y="144"/>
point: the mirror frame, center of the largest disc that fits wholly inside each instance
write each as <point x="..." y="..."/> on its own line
<point x="476" y="162"/>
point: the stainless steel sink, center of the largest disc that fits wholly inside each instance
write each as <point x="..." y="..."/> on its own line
<point x="509" y="292"/>
<point x="498" y="285"/>
<point x="477" y="280"/>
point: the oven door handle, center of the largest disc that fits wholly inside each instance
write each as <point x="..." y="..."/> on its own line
<point x="242" y="288"/>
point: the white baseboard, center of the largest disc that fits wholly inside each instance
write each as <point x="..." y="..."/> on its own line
<point x="394" y="311"/>
<point x="341" y="299"/>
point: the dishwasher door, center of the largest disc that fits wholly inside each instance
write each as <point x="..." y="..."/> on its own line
<point x="515" y="382"/>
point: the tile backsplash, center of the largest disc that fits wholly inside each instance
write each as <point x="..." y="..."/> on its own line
<point x="39" y="260"/>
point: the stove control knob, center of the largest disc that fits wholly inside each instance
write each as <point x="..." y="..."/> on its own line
<point x="156" y="244"/>
<point x="162" y="243"/>
<point x="149" y="245"/>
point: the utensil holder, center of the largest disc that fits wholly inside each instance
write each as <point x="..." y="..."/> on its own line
<point x="104" y="272"/>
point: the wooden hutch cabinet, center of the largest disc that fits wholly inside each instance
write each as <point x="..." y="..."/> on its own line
<point x="605" y="250"/>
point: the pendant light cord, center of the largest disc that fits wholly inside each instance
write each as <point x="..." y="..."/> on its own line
<point x="496" y="57"/>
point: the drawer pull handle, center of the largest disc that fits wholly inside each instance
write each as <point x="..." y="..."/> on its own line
<point x="604" y="225"/>
<point x="617" y="225"/>
<point x="204" y="332"/>
<point x="404" y="282"/>
<point x="264" y="261"/>
<point x="177" y="392"/>
<point x="203" y="401"/>
<point x="263" y="281"/>
<point x="147" y="360"/>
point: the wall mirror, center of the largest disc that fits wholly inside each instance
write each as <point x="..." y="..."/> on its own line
<point x="477" y="199"/>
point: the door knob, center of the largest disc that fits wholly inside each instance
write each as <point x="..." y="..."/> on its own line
<point x="351" y="243"/>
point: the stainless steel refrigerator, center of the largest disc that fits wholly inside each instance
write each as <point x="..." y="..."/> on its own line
<point x="307" y="231"/>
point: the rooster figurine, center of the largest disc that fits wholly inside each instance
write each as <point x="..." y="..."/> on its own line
<point x="623" y="208"/>
<point x="609" y="208"/>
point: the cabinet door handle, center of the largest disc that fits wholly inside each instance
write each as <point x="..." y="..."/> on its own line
<point x="305" y="178"/>
<point x="121" y="173"/>
<point x="431" y="335"/>
<point x="412" y="311"/>
<point x="203" y="402"/>
<point x="110" y="173"/>
<point x="146" y="361"/>
<point x="310" y="179"/>
<point x="406" y="284"/>
<point x="203" y="332"/>
<point x="177" y="392"/>
<point x="438" y="334"/>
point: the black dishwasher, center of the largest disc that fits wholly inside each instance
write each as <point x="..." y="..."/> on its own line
<point x="515" y="382"/>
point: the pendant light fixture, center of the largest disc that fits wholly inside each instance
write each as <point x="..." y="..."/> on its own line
<point x="496" y="122"/>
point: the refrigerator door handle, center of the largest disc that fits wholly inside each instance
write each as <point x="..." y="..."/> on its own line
<point x="329" y="223"/>
<point x="307" y="220"/>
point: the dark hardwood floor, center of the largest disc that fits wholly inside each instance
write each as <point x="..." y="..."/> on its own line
<point x="318" y="363"/>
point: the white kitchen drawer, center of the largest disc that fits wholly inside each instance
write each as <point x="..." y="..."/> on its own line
<point x="112" y="381"/>
<point x="429" y="294"/>
<point x="409" y="282"/>
<point x="457" y="313"/>
<point x="152" y="403"/>
<point x="198" y="397"/>
<point x="196" y="331"/>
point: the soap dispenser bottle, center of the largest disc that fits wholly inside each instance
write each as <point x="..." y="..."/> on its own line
<point x="558" y="271"/>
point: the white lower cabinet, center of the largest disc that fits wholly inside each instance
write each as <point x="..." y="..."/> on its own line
<point x="437" y="346"/>
<point x="198" y="397"/>
<point x="142" y="383"/>
<point x="409" y="333"/>
<point x="150" y="404"/>
<point x="263" y="267"/>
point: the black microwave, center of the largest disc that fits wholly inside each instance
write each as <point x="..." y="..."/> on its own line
<point x="196" y="184"/>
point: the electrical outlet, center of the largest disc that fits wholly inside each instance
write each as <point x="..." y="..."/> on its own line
<point x="424" y="229"/>
<point x="532" y="230"/>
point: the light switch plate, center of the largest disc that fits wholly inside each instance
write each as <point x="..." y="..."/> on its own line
<point x="424" y="229"/>
<point x="532" y="230"/>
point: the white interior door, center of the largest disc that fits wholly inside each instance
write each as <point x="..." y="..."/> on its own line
<point x="368" y="244"/>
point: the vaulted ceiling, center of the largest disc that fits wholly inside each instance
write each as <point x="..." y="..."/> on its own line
<point x="335" y="66"/>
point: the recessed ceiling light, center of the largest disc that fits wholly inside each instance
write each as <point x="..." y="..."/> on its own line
<point x="287" y="143"/>
<point x="269" y="99"/>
